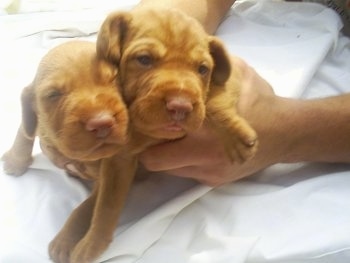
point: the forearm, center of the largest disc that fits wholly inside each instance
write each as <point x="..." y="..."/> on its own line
<point x="208" y="12"/>
<point x="321" y="130"/>
<point x="304" y="130"/>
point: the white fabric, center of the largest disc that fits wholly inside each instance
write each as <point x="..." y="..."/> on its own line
<point x="286" y="213"/>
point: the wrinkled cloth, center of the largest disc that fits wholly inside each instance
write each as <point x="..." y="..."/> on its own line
<point x="286" y="213"/>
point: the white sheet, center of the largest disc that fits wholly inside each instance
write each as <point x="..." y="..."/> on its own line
<point x="286" y="213"/>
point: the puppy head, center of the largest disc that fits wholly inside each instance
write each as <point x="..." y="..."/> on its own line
<point x="74" y="103"/>
<point x="167" y="63"/>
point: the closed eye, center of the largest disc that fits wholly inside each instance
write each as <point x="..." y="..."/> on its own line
<point x="54" y="94"/>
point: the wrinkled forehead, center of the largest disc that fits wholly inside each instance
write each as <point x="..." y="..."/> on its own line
<point x="83" y="75"/>
<point x="170" y="27"/>
<point x="61" y="73"/>
<point x="65" y="61"/>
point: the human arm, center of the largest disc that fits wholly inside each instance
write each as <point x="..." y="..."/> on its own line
<point x="208" y="12"/>
<point x="289" y="130"/>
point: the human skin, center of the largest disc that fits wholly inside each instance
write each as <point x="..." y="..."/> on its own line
<point x="289" y="130"/>
<point x="208" y="12"/>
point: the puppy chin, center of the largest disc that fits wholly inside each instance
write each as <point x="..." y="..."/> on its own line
<point x="167" y="130"/>
<point x="99" y="151"/>
<point x="163" y="134"/>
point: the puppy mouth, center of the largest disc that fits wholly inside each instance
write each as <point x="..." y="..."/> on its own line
<point x="101" y="150"/>
<point x="103" y="144"/>
<point x="173" y="127"/>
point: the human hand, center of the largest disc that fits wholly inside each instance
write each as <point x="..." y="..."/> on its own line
<point x="201" y="155"/>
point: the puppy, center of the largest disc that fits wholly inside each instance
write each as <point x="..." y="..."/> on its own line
<point x="74" y="106"/>
<point x="172" y="76"/>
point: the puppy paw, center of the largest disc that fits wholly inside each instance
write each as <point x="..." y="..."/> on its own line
<point x="88" y="249"/>
<point x="15" y="165"/>
<point x="241" y="151"/>
<point x="242" y="141"/>
<point x="60" y="248"/>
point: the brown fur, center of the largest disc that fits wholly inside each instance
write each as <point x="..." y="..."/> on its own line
<point x="166" y="63"/>
<point x="72" y="95"/>
<point x="173" y="77"/>
<point x="183" y="62"/>
<point x="163" y="104"/>
<point x="71" y="87"/>
<point x="160" y="108"/>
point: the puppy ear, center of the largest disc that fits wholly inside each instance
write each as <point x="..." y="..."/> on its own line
<point x="29" y="117"/>
<point x="222" y="65"/>
<point x="105" y="72"/>
<point x="111" y="35"/>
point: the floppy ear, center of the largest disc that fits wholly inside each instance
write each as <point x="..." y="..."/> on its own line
<point x="222" y="65"/>
<point x="29" y="117"/>
<point x="111" y="35"/>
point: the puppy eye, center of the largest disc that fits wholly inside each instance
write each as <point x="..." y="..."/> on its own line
<point x="203" y="70"/>
<point x="145" y="60"/>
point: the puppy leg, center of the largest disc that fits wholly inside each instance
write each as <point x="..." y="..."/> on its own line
<point x="19" y="157"/>
<point x="74" y="229"/>
<point x="115" y="180"/>
<point x="239" y="139"/>
<point x="238" y="136"/>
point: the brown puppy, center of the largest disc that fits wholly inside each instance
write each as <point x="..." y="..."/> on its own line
<point x="164" y="105"/>
<point x="170" y="72"/>
<point x="173" y="76"/>
<point x="75" y="108"/>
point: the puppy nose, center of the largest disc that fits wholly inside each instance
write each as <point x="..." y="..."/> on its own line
<point x="100" y="125"/>
<point x="179" y="107"/>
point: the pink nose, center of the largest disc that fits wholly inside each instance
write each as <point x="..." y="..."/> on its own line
<point x="179" y="107"/>
<point x="100" y="125"/>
